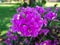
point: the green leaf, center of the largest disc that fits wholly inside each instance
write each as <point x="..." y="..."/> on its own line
<point x="58" y="24"/>
<point x="52" y="24"/>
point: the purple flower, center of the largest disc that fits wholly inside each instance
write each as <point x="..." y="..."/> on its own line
<point x="7" y="42"/>
<point x="27" y="23"/>
<point x="45" y="22"/>
<point x="49" y="42"/>
<point x="36" y="43"/>
<point x="55" y="42"/>
<point x="50" y="15"/>
<point x="44" y="31"/>
<point x="11" y="36"/>
<point x="40" y="9"/>
<point x="56" y="9"/>
<point x="46" y="42"/>
<point x="18" y="10"/>
<point x="48" y="9"/>
<point x="8" y="33"/>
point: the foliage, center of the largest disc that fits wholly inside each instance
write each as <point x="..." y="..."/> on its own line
<point x="33" y="3"/>
<point x="41" y="3"/>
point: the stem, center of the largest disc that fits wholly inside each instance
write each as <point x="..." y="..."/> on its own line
<point x="30" y="40"/>
<point x="42" y="38"/>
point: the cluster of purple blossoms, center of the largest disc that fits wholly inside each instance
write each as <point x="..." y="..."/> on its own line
<point x="30" y="22"/>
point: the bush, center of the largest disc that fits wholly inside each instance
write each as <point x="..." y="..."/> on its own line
<point x="33" y="26"/>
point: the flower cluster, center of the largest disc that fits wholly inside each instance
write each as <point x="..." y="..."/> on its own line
<point x="31" y="22"/>
<point x="28" y="21"/>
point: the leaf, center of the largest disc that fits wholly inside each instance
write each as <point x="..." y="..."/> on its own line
<point x="55" y="23"/>
<point x="52" y="24"/>
<point x="58" y="24"/>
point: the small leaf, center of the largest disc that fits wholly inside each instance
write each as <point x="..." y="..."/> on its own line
<point x="58" y="24"/>
<point x="52" y="24"/>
